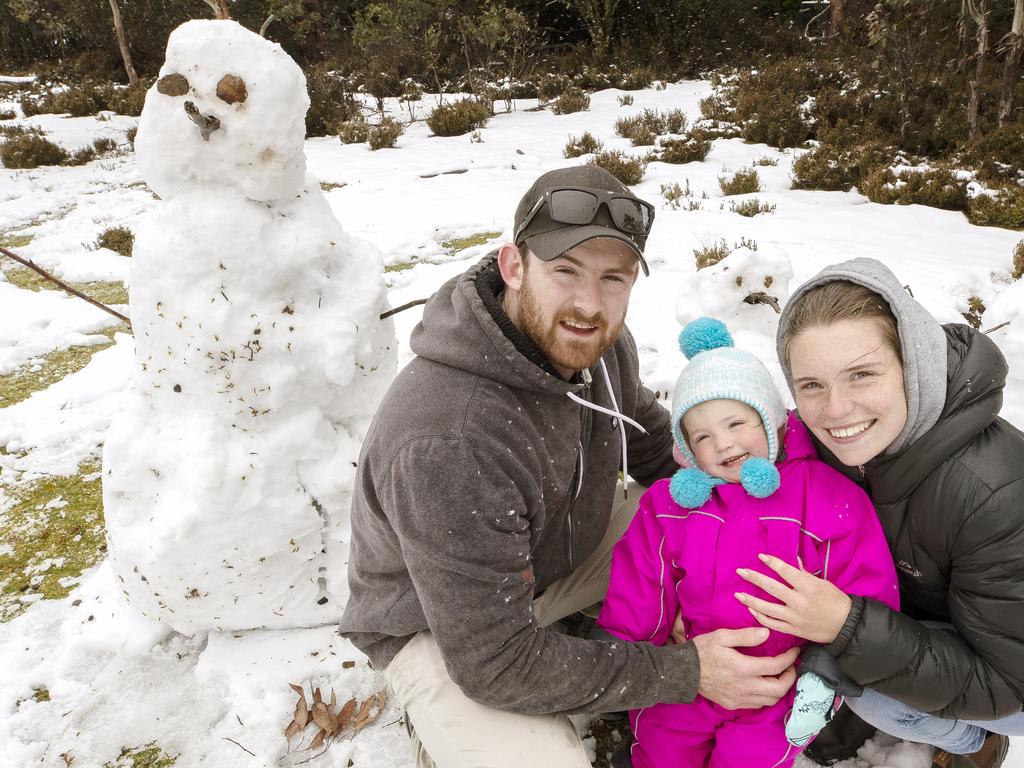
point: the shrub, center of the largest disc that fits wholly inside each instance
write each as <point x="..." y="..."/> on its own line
<point x="31" y="151"/>
<point x="637" y="79"/>
<point x="458" y="117"/>
<point x="744" y="182"/>
<point x="832" y="168"/>
<point x="1017" y="272"/>
<point x="765" y="161"/>
<point x="10" y="131"/>
<point x="104" y="144"/>
<point x="130" y="135"/>
<point x="354" y="131"/>
<point x="1006" y="209"/>
<point x="626" y="100"/>
<point x="935" y="187"/>
<point x="125" y="101"/>
<point x="78" y="101"/>
<point x="584" y="145"/>
<point x="642" y="129"/>
<point x="330" y="103"/>
<point x="572" y="99"/>
<point x="675" y="121"/>
<point x="551" y="86"/>
<point x="975" y="309"/>
<point x="82" y="156"/>
<point x="673" y="194"/>
<point x="690" y="150"/>
<point x="776" y="124"/>
<point x="709" y="255"/>
<point x="10" y="114"/>
<point x="998" y="155"/>
<point x="385" y="134"/>
<point x="628" y="170"/>
<point x="718" y="108"/>
<point x="750" y="207"/>
<point x="117" y="239"/>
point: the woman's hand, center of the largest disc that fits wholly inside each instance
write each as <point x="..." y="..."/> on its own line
<point x="811" y="608"/>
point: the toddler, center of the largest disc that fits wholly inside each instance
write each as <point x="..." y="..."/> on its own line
<point x="754" y="485"/>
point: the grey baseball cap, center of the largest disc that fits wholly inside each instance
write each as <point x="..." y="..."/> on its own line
<point x="548" y="239"/>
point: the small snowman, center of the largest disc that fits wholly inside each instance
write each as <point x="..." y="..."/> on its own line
<point x="261" y="355"/>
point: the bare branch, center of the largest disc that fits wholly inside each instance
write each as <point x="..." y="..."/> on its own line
<point x="64" y="286"/>
<point x="265" y="24"/>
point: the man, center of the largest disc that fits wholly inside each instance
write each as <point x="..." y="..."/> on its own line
<point x="485" y="505"/>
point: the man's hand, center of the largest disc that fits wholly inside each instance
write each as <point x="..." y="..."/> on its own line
<point x="735" y="681"/>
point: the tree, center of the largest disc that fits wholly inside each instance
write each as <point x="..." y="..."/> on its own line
<point x="978" y="12"/>
<point x="1014" y="46"/>
<point x="599" y="16"/>
<point x="122" y="43"/>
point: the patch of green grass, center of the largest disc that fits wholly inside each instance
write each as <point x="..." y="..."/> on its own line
<point x="10" y="240"/>
<point x="105" y="292"/>
<point x="40" y="695"/>
<point x="400" y="267"/>
<point x="22" y="382"/>
<point x="52" y="533"/>
<point x="327" y="186"/>
<point x="146" y="756"/>
<point x="457" y="244"/>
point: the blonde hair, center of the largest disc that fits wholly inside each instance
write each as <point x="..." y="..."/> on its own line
<point x="830" y="303"/>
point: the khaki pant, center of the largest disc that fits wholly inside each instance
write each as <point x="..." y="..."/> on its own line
<point x="452" y="731"/>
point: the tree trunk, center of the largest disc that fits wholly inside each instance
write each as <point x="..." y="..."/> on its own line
<point x="838" y="17"/>
<point x="122" y="43"/>
<point x="978" y="10"/>
<point x="1011" y="67"/>
<point x="220" y="8"/>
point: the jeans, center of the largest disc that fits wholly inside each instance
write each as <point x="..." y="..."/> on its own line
<point x="958" y="737"/>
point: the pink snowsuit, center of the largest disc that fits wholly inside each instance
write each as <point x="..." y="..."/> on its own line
<point x="673" y="559"/>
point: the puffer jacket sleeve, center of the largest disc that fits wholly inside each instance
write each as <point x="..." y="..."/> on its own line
<point x="466" y="543"/>
<point x="977" y="670"/>
<point x="641" y="603"/>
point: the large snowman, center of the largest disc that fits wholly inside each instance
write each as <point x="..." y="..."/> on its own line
<point x="261" y="355"/>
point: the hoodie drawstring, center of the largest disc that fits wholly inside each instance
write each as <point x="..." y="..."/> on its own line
<point x="622" y="418"/>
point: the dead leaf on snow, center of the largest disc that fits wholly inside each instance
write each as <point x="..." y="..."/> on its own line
<point x="318" y="740"/>
<point x="322" y="717"/>
<point x="301" y="713"/>
<point x="292" y="729"/>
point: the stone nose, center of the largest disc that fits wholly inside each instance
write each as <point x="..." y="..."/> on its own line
<point x="207" y="123"/>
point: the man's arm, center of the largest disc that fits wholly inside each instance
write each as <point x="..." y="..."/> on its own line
<point x="465" y="533"/>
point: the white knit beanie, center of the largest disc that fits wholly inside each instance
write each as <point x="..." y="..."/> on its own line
<point x="719" y="371"/>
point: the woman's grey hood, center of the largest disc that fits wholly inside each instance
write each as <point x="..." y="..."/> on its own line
<point x="922" y="341"/>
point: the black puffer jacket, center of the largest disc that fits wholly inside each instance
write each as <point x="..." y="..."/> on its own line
<point x="952" y="507"/>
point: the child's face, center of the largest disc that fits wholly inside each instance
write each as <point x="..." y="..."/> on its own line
<point x="722" y="435"/>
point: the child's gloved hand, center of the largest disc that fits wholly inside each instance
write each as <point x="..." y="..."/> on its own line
<point x="813" y="707"/>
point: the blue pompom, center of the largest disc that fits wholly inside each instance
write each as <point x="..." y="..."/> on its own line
<point x="691" y="487"/>
<point x="703" y="334"/>
<point x="759" y="477"/>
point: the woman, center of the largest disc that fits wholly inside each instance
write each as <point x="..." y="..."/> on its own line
<point x="909" y="409"/>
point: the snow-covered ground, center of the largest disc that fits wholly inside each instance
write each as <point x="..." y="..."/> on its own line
<point x="118" y="680"/>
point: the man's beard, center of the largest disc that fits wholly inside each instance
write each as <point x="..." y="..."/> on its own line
<point x="566" y="353"/>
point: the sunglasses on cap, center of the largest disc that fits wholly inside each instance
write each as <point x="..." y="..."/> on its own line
<point x="579" y="206"/>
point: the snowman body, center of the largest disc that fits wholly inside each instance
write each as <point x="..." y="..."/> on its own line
<point x="260" y="352"/>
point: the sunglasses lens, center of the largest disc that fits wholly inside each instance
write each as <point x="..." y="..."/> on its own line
<point x="573" y="206"/>
<point x="630" y="216"/>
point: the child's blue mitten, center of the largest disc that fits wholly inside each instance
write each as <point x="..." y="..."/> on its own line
<point x="812" y="709"/>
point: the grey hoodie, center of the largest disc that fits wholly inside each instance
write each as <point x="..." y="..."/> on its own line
<point x="480" y="483"/>
<point x="922" y="341"/>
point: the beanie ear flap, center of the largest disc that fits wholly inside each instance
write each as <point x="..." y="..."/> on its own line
<point x="691" y="487"/>
<point x="759" y="477"/>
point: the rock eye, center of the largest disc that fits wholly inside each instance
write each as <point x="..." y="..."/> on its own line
<point x="172" y="85"/>
<point x="231" y="89"/>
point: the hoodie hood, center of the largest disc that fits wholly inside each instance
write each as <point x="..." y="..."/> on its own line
<point x="464" y="327"/>
<point x="923" y="344"/>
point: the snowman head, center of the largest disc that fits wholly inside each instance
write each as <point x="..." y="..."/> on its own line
<point x="228" y="110"/>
